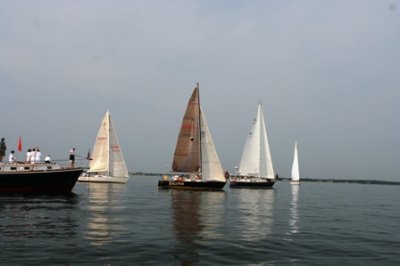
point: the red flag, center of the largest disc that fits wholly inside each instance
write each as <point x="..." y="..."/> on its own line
<point x="20" y="144"/>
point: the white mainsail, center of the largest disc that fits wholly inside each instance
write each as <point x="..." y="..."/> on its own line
<point x="295" y="166"/>
<point x="210" y="163"/>
<point x="107" y="158"/>
<point x="256" y="157"/>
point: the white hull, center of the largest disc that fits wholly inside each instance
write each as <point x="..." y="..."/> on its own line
<point x="295" y="182"/>
<point x="103" y="179"/>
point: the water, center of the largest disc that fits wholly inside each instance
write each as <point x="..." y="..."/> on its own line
<point x="110" y="224"/>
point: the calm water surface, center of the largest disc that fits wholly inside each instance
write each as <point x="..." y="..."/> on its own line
<point x="137" y="224"/>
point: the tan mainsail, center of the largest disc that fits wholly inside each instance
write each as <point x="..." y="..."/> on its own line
<point x="187" y="156"/>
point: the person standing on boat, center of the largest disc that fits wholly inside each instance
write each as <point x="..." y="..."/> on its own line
<point x="11" y="157"/>
<point x="28" y="155"/>
<point x="72" y="157"/>
<point x="3" y="149"/>
<point x="33" y="156"/>
<point x="47" y="159"/>
<point x="38" y="156"/>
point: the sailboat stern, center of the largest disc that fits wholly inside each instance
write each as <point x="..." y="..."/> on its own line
<point x="251" y="182"/>
<point x="191" y="185"/>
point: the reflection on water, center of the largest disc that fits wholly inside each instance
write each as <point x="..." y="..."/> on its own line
<point x="104" y="200"/>
<point x="194" y="213"/>
<point x="212" y="211"/>
<point x="186" y="224"/>
<point x="36" y="216"/>
<point x="256" y="213"/>
<point x="294" y="216"/>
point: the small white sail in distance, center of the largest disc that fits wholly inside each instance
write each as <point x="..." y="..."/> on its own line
<point x="295" y="166"/>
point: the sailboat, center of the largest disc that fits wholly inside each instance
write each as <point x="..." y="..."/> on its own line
<point x="107" y="163"/>
<point x="195" y="161"/>
<point x="255" y="169"/>
<point x="295" y="167"/>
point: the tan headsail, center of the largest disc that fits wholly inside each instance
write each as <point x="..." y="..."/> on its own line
<point x="187" y="156"/>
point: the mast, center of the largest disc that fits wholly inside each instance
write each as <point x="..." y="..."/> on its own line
<point x="108" y="144"/>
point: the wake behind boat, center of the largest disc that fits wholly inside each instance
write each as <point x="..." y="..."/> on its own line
<point x="48" y="178"/>
<point x="107" y="164"/>
<point x="195" y="159"/>
<point x="255" y="169"/>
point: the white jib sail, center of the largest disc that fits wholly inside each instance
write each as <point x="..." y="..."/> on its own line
<point x="117" y="164"/>
<point x="210" y="164"/>
<point x="295" y="166"/>
<point x="266" y="166"/>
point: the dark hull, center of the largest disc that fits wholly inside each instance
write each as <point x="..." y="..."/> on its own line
<point x="250" y="184"/>
<point x="209" y="185"/>
<point x="40" y="181"/>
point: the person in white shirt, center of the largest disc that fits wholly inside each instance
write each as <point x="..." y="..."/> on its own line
<point x="28" y="155"/>
<point x="47" y="159"/>
<point x="38" y="155"/>
<point x="12" y="157"/>
<point x="33" y="156"/>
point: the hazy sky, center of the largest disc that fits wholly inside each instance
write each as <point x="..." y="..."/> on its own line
<point x="327" y="73"/>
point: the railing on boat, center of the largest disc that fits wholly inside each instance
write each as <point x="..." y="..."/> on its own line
<point x="37" y="166"/>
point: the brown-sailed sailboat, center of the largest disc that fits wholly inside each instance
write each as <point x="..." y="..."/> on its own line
<point x="195" y="159"/>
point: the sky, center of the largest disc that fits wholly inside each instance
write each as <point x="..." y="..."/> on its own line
<point x="327" y="74"/>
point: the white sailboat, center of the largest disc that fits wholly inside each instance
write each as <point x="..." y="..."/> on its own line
<point x="107" y="163"/>
<point x="295" y="167"/>
<point x="195" y="160"/>
<point x="255" y="169"/>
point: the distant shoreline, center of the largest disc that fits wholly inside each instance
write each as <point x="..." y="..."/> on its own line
<point x="355" y="181"/>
